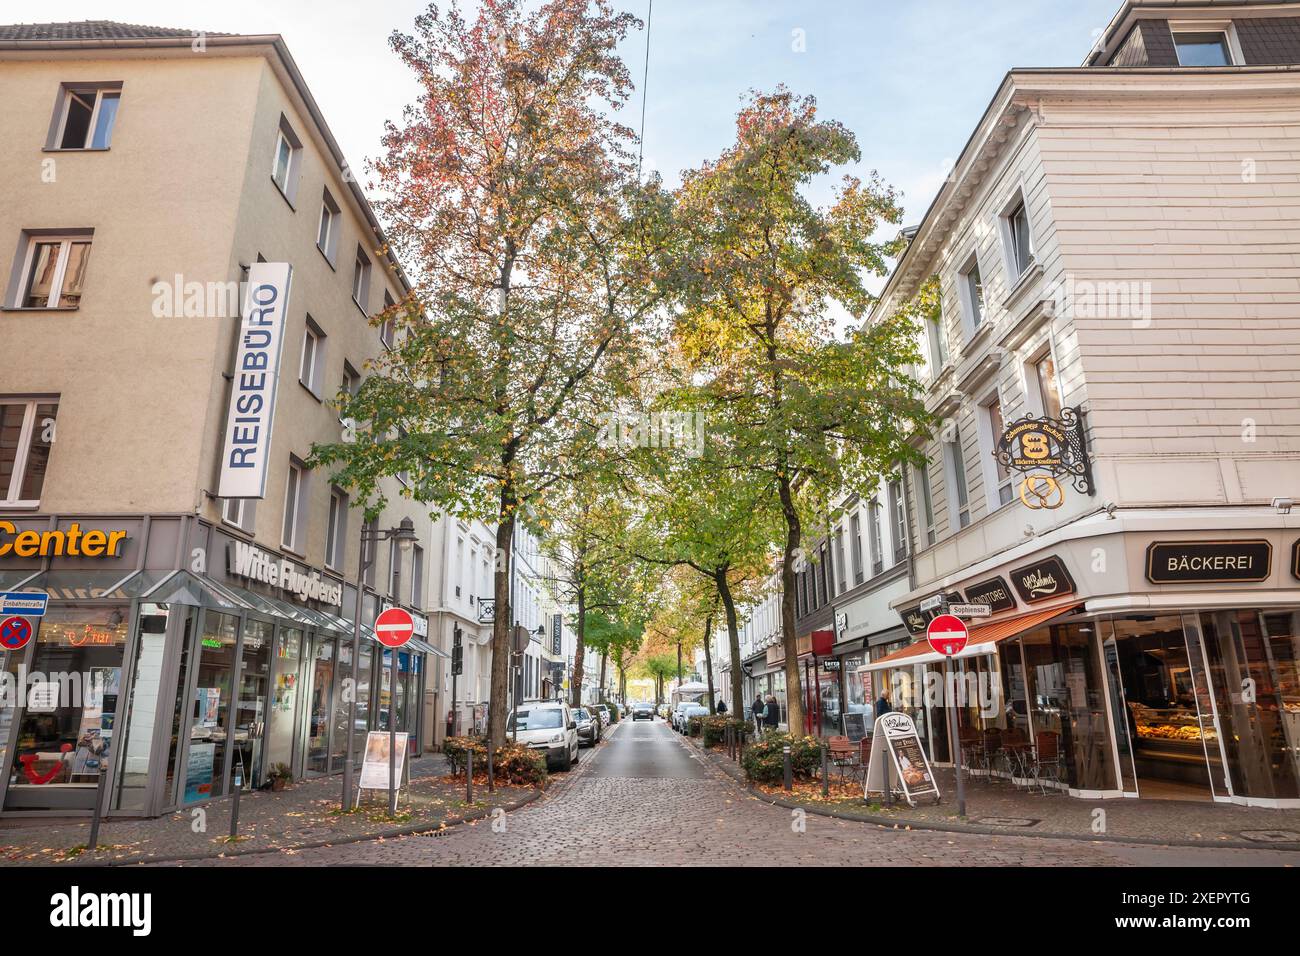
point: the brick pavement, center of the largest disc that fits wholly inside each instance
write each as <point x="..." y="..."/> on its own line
<point x="592" y="818"/>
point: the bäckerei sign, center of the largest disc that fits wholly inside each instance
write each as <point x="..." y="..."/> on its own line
<point x="253" y="387"/>
<point x="1198" y="562"/>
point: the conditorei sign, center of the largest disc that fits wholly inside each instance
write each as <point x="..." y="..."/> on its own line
<point x="994" y="592"/>
<point x="1042" y="580"/>
<point x="251" y="563"/>
<point x="256" y="375"/>
<point x="1215" y="562"/>
<point x="70" y="542"/>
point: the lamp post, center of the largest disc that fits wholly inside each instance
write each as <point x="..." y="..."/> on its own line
<point x="406" y="537"/>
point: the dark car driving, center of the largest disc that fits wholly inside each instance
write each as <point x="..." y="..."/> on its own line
<point x="643" y="710"/>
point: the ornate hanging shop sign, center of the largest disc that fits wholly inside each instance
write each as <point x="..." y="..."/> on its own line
<point x="1050" y="452"/>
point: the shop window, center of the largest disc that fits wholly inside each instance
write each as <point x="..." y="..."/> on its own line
<point x="27" y="431"/>
<point x="66" y="729"/>
<point x="85" y="116"/>
<point x="286" y="695"/>
<point x="327" y="230"/>
<point x="53" y="271"/>
<point x="287" y="161"/>
<point x="344" y="716"/>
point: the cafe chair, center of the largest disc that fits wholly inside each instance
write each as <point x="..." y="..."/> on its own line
<point x="1047" y="760"/>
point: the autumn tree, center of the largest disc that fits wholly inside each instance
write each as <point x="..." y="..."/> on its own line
<point x="514" y="204"/>
<point x="816" y="411"/>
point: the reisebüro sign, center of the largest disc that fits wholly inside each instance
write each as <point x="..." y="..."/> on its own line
<point x="256" y="375"/>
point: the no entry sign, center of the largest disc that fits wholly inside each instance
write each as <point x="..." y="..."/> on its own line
<point x="947" y="634"/>
<point x="15" y="632"/>
<point x="394" y="627"/>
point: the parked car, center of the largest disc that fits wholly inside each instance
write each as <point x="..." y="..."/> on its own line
<point x="547" y="725"/>
<point x="588" y="727"/>
<point x="685" y="714"/>
<point x="677" y="711"/>
<point x="643" y="710"/>
<point x="606" y="718"/>
<point x="663" y="711"/>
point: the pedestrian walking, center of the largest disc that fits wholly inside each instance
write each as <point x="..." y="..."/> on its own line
<point x="759" y="710"/>
<point x="722" y="707"/>
<point x="882" y="702"/>
<point x="772" y="718"/>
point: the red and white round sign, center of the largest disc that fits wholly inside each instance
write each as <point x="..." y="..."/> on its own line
<point x="947" y="634"/>
<point x="394" y="627"/>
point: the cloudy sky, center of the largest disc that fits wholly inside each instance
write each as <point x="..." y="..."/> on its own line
<point x="909" y="77"/>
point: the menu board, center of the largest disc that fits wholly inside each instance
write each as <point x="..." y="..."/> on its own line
<point x="855" y="726"/>
<point x="896" y="735"/>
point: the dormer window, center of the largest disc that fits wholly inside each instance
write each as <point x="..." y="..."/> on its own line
<point x="1203" y="49"/>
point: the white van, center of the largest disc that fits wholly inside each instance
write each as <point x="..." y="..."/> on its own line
<point x="546" y="725"/>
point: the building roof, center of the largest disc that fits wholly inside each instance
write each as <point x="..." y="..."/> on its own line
<point x="94" y="30"/>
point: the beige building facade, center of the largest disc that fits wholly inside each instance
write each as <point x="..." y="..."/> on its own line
<point x="146" y="172"/>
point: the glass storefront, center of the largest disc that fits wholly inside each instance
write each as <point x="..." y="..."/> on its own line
<point x="66" y="728"/>
<point x="205" y="772"/>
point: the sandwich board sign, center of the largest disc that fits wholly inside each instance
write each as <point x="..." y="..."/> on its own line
<point x="374" y="768"/>
<point x="896" y="735"/>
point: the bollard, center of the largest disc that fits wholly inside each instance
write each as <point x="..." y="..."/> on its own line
<point x="825" y="773"/>
<point x="789" y="770"/>
<point x="469" y="776"/>
<point x="93" y="843"/>
<point x="889" y="785"/>
<point x="491" y="783"/>
<point x="234" y="806"/>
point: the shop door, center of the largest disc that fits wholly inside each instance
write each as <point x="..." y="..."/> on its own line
<point x="317" y="731"/>
<point x="286" y="694"/>
<point x="250" y="703"/>
<point x="1166" y="714"/>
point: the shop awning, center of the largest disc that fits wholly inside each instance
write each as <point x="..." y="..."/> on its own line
<point x="983" y="640"/>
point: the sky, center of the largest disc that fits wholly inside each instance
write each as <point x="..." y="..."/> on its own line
<point x="910" y="78"/>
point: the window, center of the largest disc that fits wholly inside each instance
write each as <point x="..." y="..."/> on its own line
<point x="877" y="545"/>
<point x="460" y="564"/>
<point x="361" y="279"/>
<point x="938" y="342"/>
<point x="417" y="577"/>
<point x="349" y="386"/>
<point x="53" y="272"/>
<point x="855" y="526"/>
<point x="311" y="370"/>
<point x="972" y="294"/>
<point x="86" y="117"/>
<point x="337" y="531"/>
<point x="1203" y="49"/>
<point x="327" y="232"/>
<point x="898" y="517"/>
<point x="288" y="157"/>
<point x="239" y="512"/>
<point x="926" y="503"/>
<point x="394" y="570"/>
<point x="295" y="495"/>
<point x="403" y="476"/>
<point x="1049" y="392"/>
<point x="996" y="474"/>
<point x="827" y="572"/>
<point x="26" y="438"/>
<point x="370" y="529"/>
<point x="840" y="566"/>
<point x="388" y="331"/>
<point x="958" y="502"/>
<point x="1019" y="248"/>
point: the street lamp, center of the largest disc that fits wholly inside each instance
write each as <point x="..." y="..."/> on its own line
<point x="405" y="536"/>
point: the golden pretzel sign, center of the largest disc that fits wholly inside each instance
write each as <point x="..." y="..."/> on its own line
<point x="1041" y="492"/>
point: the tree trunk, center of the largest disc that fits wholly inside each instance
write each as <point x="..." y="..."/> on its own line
<point x="501" y="620"/>
<point x="575" y="692"/>
<point x="602" y="677"/>
<point x="789" y="639"/>
<point x="708" y="660"/>
<point x="733" y="641"/>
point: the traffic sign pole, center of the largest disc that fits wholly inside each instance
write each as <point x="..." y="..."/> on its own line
<point x="393" y="628"/>
<point x="954" y="740"/>
<point x="948" y="636"/>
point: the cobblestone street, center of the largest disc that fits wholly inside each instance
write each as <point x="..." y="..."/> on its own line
<point x="645" y="799"/>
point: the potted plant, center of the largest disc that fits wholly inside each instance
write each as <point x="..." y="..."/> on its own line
<point x="280" y="775"/>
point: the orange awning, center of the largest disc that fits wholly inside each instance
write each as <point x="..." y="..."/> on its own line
<point x="983" y="639"/>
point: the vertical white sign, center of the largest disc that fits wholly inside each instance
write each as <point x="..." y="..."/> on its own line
<point x="256" y="375"/>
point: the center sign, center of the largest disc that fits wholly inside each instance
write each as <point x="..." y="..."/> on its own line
<point x="947" y="634"/>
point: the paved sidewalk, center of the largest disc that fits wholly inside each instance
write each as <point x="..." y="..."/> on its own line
<point x="997" y="807"/>
<point x="304" y="815"/>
